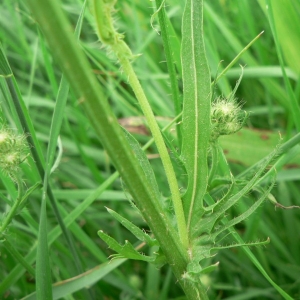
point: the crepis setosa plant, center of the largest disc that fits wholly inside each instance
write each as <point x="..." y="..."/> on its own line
<point x="227" y="117"/>
<point x="212" y="226"/>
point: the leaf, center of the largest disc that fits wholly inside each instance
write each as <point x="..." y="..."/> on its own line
<point x="127" y="250"/>
<point x="195" y="269"/>
<point x="254" y="260"/>
<point x="286" y="15"/>
<point x="196" y="109"/>
<point x="247" y="213"/>
<point x="207" y="224"/>
<point x="23" y="202"/>
<point x="293" y="103"/>
<point x="43" y="271"/>
<point x="172" y="52"/>
<point x="5" y="70"/>
<point x="71" y="285"/>
<point x="144" y="162"/>
<point x="136" y="231"/>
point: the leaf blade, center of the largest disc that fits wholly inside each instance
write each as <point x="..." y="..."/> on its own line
<point x="196" y="107"/>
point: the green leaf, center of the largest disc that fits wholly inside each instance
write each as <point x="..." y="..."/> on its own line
<point x="144" y="162"/>
<point x="196" y="110"/>
<point x="136" y="231"/>
<point x="43" y="273"/>
<point x="286" y="16"/>
<point x="18" y="257"/>
<point x="127" y="250"/>
<point x="69" y="219"/>
<point x="43" y="270"/>
<point x="201" y="252"/>
<point x="293" y="103"/>
<point x="171" y="48"/>
<point x="23" y="202"/>
<point x="72" y="285"/>
<point x="254" y="260"/>
<point x="76" y="67"/>
<point x="5" y="70"/>
<point x="210" y="268"/>
<point x="206" y="224"/>
<point x="195" y="269"/>
<point x="247" y="213"/>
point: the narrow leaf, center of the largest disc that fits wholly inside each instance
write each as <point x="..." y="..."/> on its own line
<point x="196" y="108"/>
<point x="247" y="213"/>
<point x="136" y="231"/>
<point x="124" y="251"/>
<point x="294" y="107"/>
<point x="43" y="270"/>
<point x="72" y="285"/>
<point x="254" y="260"/>
<point x="144" y="162"/>
<point x="169" y="39"/>
<point x="224" y="205"/>
<point x="207" y="224"/>
<point x="43" y="273"/>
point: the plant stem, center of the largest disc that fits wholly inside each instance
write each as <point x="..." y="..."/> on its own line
<point x="161" y="146"/>
<point x="111" y="38"/>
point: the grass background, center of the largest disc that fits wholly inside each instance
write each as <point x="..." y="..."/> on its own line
<point x="229" y="26"/>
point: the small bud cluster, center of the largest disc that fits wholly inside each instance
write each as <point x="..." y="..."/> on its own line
<point x="227" y="117"/>
<point x="12" y="151"/>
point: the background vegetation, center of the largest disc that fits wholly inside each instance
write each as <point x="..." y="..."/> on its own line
<point x="84" y="166"/>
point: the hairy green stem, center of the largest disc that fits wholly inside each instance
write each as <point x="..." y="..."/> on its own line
<point x="161" y="146"/>
<point x="113" y="39"/>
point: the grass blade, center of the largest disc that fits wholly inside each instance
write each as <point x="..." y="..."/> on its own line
<point x="294" y="107"/>
<point x="77" y="283"/>
<point x="43" y="277"/>
<point x="19" y="257"/>
<point x="43" y="270"/>
<point x="254" y="260"/>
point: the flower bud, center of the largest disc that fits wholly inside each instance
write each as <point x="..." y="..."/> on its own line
<point x="227" y="117"/>
<point x="13" y="150"/>
<point x="5" y="141"/>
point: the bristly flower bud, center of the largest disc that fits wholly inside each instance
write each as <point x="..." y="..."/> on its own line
<point x="227" y="117"/>
<point x="13" y="149"/>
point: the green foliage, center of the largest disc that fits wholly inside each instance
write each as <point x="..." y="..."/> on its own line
<point x="198" y="185"/>
<point x="196" y="111"/>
